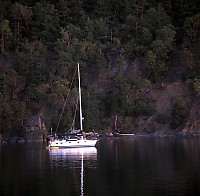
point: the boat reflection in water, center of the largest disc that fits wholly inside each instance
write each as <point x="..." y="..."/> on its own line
<point x="74" y="158"/>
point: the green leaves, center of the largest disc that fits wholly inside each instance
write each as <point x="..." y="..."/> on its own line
<point x="163" y="35"/>
<point x="51" y="37"/>
<point x="196" y="85"/>
<point x="46" y="23"/>
<point x="23" y="15"/>
<point x="6" y="34"/>
<point x="155" y="19"/>
<point x="31" y="61"/>
<point x="91" y="109"/>
<point x="178" y="115"/>
<point x="191" y="54"/>
<point x="156" y="69"/>
<point x="122" y="98"/>
<point x="12" y="113"/>
<point x="143" y="109"/>
<point x="162" y="118"/>
<point x="151" y="58"/>
<point x="192" y="25"/>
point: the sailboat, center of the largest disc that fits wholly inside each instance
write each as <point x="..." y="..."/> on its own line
<point x="77" y="142"/>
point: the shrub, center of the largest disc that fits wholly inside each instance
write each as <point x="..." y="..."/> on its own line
<point x="161" y="118"/>
<point x="178" y="115"/>
<point x="147" y="110"/>
<point x="128" y="121"/>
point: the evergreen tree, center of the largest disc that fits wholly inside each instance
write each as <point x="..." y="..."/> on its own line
<point x="22" y="16"/>
<point x="163" y="35"/>
<point x="5" y="36"/>
<point x="91" y="109"/>
<point x="46" y="23"/>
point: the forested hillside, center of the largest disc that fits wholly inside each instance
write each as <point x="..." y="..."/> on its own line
<point x="128" y="51"/>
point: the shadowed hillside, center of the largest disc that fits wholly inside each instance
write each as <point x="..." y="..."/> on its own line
<point x="139" y="65"/>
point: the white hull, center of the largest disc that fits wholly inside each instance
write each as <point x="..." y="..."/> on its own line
<point x="57" y="144"/>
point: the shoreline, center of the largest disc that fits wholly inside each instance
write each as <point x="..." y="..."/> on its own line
<point x="17" y="139"/>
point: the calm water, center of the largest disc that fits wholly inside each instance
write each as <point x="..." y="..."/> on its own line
<point x="139" y="166"/>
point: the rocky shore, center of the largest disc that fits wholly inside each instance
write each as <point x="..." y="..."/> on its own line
<point x="28" y="137"/>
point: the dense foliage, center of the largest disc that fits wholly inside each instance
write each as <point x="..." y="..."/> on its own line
<point x="46" y="39"/>
<point x="178" y="114"/>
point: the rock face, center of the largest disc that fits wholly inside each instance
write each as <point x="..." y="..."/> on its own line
<point x="163" y="98"/>
<point x="167" y="96"/>
<point x="192" y="125"/>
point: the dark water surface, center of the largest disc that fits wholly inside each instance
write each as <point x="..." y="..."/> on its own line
<point x="137" y="166"/>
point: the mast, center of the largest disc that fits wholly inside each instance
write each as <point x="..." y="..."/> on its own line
<point x="79" y="85"/>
